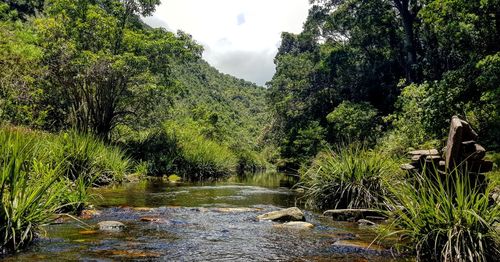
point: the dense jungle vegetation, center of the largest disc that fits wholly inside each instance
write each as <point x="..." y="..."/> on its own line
<point x="364" y="82"/>
<point x="392" y="72"/>
<point x="90" y="95"/>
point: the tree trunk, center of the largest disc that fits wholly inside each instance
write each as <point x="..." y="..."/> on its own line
<point x="408" y="20"/>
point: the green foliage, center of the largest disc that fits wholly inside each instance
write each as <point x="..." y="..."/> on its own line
<point x="182" y="148"/>
<point x="408" y="123"/>
<point x="42" y="174"/>
<point x="349" y="177"/>
<point x="88" y="157"/>
<point x="88" y="65"/>
<point x="348" y="51"/>
<point x="217" y="108"/>
<point x="356" y="122"/>
<point x="444" y="54"/>
<point x="445" y="217"/>
<point x="21" y="96"/>
<point x="197" y="156"/>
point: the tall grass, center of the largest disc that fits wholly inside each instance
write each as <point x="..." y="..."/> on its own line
<point x="30" y="192"/>
<point x="347" y="177"/>
<point x="88" y="157"/>
<point x="445" y="218"/>
<point x="198" y="156"/>
<point x="41" y="174"/>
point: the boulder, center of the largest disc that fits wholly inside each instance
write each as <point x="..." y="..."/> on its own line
<point x="468" y="133"/>
<point x="111" y="226"/>
<point x="429" y="152"/>
<point x="407" y="167"/>
<point x="289" y="214"/>
<point x="454" y="143"/>
<point x="473" y="151"/>
<point x="89" y="213"/>
<point x="295" y="225"/>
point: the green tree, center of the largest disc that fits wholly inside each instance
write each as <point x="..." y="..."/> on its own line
<point x="103" y="66"/>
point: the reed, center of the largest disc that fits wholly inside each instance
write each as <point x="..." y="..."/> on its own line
<point x="350" y="176"/>
<point x="445" y="217"/>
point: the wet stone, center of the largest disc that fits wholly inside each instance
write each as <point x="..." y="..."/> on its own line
<point x="236" y="209"/>
<point x="289" y="214"/>
<point x="356" y="246"/>
<point x="365" y="222"/>
<point x="111" y="226"/>
<point x="151" y="219"/>
<point x="295" y="225"/>
<point x="89" y="213"/>
<point x="351" y="214"/>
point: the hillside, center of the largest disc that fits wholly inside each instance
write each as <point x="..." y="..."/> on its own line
<point x="236" y="108"/>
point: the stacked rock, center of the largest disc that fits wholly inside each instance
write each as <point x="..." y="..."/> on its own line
<point x="461" y="149"/>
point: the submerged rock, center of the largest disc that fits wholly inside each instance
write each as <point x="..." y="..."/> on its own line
<point x="89" y="213"/>
<point x="365" y="222"/>
<point x="236" y="209"/>
<point x="143" y="209"/>
<point x="289" y="214"/>
<point x="357" y="246"/>
<point x="152" y="219"/>
<point x="88" y="232"/>
<point x="111" y="226"/>
<point x="351" y="214"/>
<point x="296" y="225"/>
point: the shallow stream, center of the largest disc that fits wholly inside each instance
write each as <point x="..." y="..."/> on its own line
<point x="202" y="222"/>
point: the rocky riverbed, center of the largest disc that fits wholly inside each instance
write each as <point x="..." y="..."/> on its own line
<point x="157" y="220"/>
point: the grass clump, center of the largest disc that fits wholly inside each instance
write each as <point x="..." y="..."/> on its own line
<point x="198" y="156"/>
<point x="42" y="174"/>
<point x="348" y="177"/>
<point x="87" y="156"/>
<point x="445" y="218"/>
<point x="30" y="191"/>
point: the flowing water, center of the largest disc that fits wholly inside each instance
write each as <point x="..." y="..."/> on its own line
<point x="202" y="222"/>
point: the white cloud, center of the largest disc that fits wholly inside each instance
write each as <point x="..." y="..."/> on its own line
<point x="240" y="36"/>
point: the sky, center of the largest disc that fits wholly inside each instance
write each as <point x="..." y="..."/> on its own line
<point x="240" y="37"/>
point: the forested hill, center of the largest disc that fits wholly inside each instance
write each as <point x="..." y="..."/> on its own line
<point x="238" y="106"/>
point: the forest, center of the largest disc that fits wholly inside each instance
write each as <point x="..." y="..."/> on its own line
<point x="91" y="96"/>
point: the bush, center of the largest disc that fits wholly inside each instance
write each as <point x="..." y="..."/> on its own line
<point x="156" y="151"/>
<point x="445" y="218"/>
<point x="182" y="148"/>
<point x="348" y="177"/>
<point x="353" y="121"/>
<point x="198" y="156"/>
<point x="408" y="123"/>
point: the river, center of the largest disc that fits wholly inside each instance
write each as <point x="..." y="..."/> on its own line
<point x="202" y="222"/>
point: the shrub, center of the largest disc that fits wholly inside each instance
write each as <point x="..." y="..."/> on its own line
<point x="155" y="150"/>
<point x="355" y="121"/>
<point x="348" y="177"/>
<point x="445" y="218"/>
<point x="198" y="156"/>
<point x="408" y="123"/>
